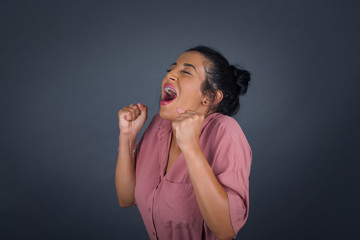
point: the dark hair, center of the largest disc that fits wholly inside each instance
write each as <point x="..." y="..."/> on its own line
<point x="220" y="75"/>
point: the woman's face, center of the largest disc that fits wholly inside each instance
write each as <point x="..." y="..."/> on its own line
<point x="181" y="87"/>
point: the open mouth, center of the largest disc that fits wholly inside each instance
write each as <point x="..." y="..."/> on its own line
<point x="169" y="94"/>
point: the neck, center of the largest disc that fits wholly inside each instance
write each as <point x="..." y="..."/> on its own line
<point x="173" y="143"/>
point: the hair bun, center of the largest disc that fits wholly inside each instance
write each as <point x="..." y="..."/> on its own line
<point x="241" y="78"/>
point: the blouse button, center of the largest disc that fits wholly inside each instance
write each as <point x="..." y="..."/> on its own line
<point x="149" y="209"/>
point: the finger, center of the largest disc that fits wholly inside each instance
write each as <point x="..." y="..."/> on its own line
<point x="192" y="112"/>
<point x="140" y="106"/>
<point x="182" y="115"/>
<point x="143" y="109"/>
<point x="180" y="118"/>
<point x="185" y="115"/>
<point x="128" y="111"/>
<point x="132" y="112"/>
<point x="123" y="113"/>
<point x="180" y="110"/>
<point x="137" y="110"/>
<point x="127" y="116"/>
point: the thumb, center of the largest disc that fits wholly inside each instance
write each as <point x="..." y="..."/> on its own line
<point x="180" y="110"/>
<point x="142" y="107"/>
<point x="143" y="110"/>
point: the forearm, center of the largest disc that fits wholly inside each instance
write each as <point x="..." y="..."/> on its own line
<point x="125" y="172"/>
<point x="211" y="197"/>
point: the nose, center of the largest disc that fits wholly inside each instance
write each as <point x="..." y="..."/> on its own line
<point x="172" y="76"/>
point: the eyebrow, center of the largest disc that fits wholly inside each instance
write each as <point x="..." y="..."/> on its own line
<point x="186" y="64"/>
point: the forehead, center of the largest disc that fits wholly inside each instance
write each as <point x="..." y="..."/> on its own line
<point x="192" y="57"/>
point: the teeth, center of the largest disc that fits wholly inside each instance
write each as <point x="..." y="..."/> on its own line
<point x="169" y="90"/>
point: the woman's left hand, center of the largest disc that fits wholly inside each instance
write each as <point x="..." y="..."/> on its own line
<point x="187" y="128"/>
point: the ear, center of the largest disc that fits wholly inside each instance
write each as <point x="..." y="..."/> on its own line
<point x="205" y="101"/>
<point x="219" y="97"/>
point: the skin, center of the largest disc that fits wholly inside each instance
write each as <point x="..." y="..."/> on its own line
<point x="187" y="113"/>
<point x="187" y="82"/>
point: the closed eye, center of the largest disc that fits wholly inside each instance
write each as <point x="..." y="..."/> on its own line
<point x="186" y="72"/>
<point x="168" y="70"/>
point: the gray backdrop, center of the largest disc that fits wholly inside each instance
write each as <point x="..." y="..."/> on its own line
<point x="67" y="67"/>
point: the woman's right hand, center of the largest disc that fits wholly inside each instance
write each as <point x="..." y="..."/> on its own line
<point x="131" y="119"/>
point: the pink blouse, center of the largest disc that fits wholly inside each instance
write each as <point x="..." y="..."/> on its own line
<point x="167" y="202"/>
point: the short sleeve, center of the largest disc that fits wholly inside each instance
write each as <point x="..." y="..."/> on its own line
<point x="136" y="153"/>
<point x="231" y="165"/>
<point x="235" y="187"/>
<point x="138" y="147"/>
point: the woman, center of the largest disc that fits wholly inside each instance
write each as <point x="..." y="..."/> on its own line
<point x="188" y="174"/>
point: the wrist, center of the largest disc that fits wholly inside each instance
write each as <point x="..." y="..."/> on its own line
<point x="128" y="139"/>
<point x="194" y="157"/>
<point x="191" y="149"/>
<point x="127" y="144"/>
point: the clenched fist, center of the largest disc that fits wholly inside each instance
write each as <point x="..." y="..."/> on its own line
<point x="187" y="128"/>
<point x="131" y="119"/>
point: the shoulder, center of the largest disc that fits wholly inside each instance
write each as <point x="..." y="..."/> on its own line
<point x="225" y="133"/>
<point x="150" y="133"/>
<point x="226" y="125"/>
<point x="230" y="147"/>
<point x="225" y="121"/>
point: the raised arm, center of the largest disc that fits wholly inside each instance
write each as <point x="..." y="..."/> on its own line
<point x="131" y="120"/>
<point x="211" y="197"/>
